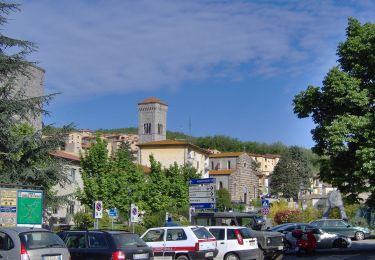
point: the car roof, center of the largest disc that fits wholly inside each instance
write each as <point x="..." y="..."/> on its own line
<point x="99" y="230"/>
<point x="24" y="229"/>
<point x="228" y="227"/>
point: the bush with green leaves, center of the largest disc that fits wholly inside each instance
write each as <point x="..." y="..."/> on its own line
<point x="83" y="220"/>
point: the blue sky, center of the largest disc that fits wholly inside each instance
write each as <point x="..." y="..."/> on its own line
<point x="232" y="67"/>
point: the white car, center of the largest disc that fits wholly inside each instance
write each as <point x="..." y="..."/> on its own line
<point x="235" y="243"/>
<point x="181" y="243"/>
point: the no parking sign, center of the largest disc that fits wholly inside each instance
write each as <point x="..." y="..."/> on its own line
<point x="98" y="209"/>
<point x="134" y="214"/>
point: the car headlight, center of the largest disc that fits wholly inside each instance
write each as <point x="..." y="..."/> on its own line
<point x="268" y="240"/>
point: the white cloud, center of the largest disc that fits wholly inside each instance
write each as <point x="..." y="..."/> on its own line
<point x="103" y="47"/>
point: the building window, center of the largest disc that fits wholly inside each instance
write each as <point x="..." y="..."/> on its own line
<point x="71" y="209"/>
<point x="228" y="164"/>
<point x="220" y="185"/>
<point x="72" y="174"/>
<point x="147" y="128"/>
<point x="245" y="198"/>
<point x="218" y="166"/>
<point x="54" y="210"/>
<point x="244" y="165"/>
<point x="197" y="165"/>
<point x="212" y="165"/>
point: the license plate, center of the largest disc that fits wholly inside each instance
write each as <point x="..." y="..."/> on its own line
<point x="140" y="256"/>
<point x="52" y="257"/>
<point x="209" y="254"/>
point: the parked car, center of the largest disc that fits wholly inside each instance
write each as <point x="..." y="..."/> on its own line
<point x="102" y="245"/>
<point x="324" y="239"/>
<point x="340" y="226"/>
<point x="181" y="243"/>
<point x="235" y="243"/>
<point x="271" y="243"/>
<point x="31" y="244"/>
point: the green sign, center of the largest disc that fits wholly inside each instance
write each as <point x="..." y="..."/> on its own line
<point x="29" y="204"/>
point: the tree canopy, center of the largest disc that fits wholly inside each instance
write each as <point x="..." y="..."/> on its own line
<point x="24" y="151"/>
<point x="292" y="173"/>
<point x="344" y="113"/>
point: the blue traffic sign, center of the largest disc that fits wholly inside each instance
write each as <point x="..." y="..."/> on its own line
<point x="112" y="212"/>
<point x="265" y="203"/>
<point x="203" y="205"/>
<point x="202" y="181"/>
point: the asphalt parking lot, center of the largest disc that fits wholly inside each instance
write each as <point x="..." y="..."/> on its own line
<point x="364" y="249"/>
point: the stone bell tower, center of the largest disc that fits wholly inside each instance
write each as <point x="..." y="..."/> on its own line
<point x="152" y="120"/>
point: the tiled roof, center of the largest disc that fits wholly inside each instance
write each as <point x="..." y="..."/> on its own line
<point x="167" y="143"/>
<point x="65" y="155"/>
<point x="221" y="172"/>
<point x="228" y="154"/>
<point x="152" y="100"/>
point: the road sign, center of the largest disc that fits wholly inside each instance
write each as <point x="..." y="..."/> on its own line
<point x="134" y="214"/>
<point x="265" y="203"/>
<point x="198" y="194"/>
<point x="203" y="205"/>
<point x="98" y="209"/>
<point x="202" y="200"/>
<point x="113" y="213"/>
<point x="210" y="187"/>
<point x="202" y="181"/>
<point x="265" y="211"/>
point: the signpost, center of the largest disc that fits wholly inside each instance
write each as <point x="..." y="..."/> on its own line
<point x="265" y="207"/>
<point x="98" y="212"/>
<point x="202" y="193"/>
<point x="134" y="214"/>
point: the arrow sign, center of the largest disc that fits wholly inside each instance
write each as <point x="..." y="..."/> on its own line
<point x="202" y="188"/>
<point x="202" y="181"/>
<point x="202" y="200"/>
<point x="195" y="194"/>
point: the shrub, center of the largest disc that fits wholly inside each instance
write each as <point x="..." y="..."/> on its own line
<point x="286" y="216"/>
<point x="83" y="220"/>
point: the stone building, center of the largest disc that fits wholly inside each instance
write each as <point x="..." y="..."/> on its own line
<point x="152" y="120"/>
<point x="235" y="172"/>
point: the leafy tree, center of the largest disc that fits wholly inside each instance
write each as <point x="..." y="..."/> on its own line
<point x="104" y="176"/>
<point x="223" y="201"/>
<point x="344" y="113"/>
<point x="292" y="171"/>
<point x="24" y="151"/>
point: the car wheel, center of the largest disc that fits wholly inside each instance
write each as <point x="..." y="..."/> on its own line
<point x="340" y="243"/>
<point x="287" y="246"/>
<point x="231" y="256"/>
<point x="359" y="235"/>
<point x="182" y="257"/>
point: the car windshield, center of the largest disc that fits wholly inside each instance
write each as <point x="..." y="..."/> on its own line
<point x="202" y="233"/>
<point x="124" y="240"/>
<point x="40" y="239"/>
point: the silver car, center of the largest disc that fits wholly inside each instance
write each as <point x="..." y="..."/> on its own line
<point x="324" y="240"/>
<point x="31" y="244"/>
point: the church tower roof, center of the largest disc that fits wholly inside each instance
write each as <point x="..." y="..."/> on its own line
<point x="152" y="100"/>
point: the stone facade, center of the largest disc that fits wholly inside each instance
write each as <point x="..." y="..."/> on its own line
<point x="152" y="120"/>
<point x="235" y="172"/>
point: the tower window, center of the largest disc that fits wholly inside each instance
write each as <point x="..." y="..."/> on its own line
<point x="147" y="128"/>
<point x="228" y="164"/>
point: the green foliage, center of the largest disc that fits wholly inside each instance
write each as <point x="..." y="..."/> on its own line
<point x="104" y="176"/>
<point x="276" y="207"/>
<point x="83" y="221"/>
<point x="24" y="151"/>
<point x="310" y="213"/>
<point x="344" y="113"/>
<point x="293" y="170"/>
<point x="154" y="219"/>
<point x="223" y="201"/>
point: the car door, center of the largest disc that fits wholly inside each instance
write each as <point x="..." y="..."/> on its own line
<point x="345" y="228"/>
<point x="98" y="246"/>
<point x="219" y="234"/>
<point x="176" y="240"/>
<point x="8" y="249"/>
<point x="155" y="238"/>
<point x="77" y="245"/>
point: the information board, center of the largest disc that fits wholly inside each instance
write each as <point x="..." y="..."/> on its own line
<point x="29" y="205"/>
<point x="8" y="207"/>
